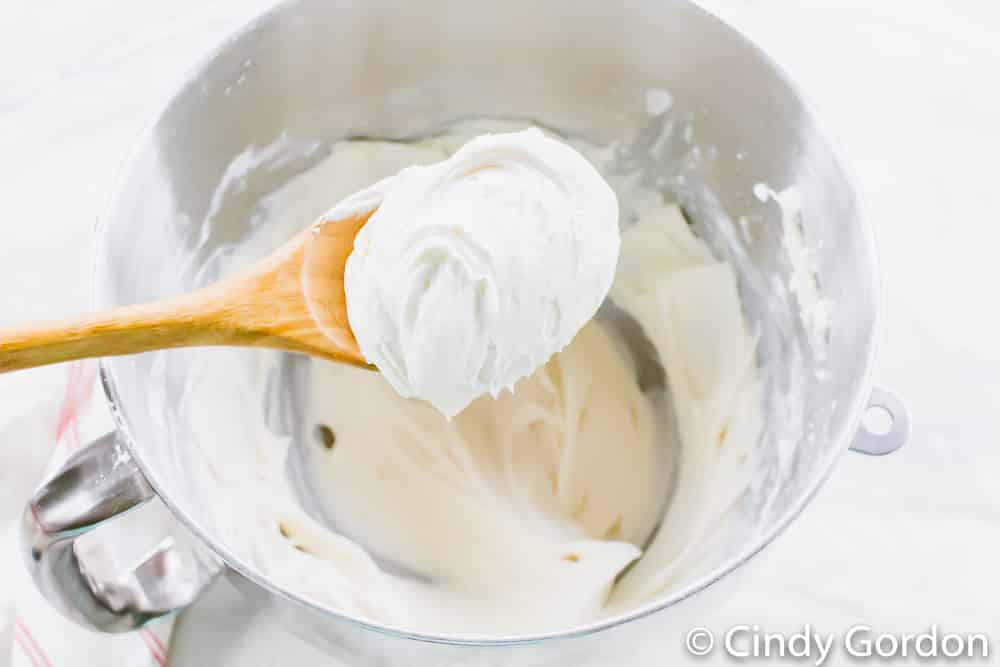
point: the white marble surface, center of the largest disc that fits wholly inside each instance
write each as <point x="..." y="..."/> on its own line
<point x="911" y="90"/>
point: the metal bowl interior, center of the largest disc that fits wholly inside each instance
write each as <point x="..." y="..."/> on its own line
<point x="309" y="73"/>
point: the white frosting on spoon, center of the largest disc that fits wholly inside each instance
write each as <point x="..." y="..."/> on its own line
<point x="475" y="270"/>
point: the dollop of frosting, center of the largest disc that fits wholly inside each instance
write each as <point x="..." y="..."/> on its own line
<point x="474" y="271"/>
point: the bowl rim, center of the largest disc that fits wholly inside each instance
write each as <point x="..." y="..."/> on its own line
<point x="857" y="403"/>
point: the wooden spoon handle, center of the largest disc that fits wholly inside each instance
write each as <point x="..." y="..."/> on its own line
<point x="266" y="306"/>
<point x="263" y="307"/>
<point x="183" y="321"/>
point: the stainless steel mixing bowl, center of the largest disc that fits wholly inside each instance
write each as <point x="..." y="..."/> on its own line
<point x="314" y="71"/>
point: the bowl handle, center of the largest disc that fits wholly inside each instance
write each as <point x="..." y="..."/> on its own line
<point x="96" y="484"/>
<point x="897" y="426"/>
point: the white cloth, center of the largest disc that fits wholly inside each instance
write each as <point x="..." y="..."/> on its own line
<point x="32" y="633"/>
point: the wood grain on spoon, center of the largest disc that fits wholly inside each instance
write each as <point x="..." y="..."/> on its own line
<point x="291" y="300"/>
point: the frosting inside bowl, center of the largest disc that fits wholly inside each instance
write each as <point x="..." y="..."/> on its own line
<point x="555" y="504"/>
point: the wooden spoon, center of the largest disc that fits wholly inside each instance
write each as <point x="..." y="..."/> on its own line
<point x="291" y="300"/>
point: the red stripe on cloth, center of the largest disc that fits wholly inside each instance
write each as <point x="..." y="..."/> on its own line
<point x="79" y="387"/>
<point x="155" y="645"/>
<point x="22" y="643"/>
<point x="156" y="639"/>
<point x="66" y="410"/>
<point x="42" y="658"/>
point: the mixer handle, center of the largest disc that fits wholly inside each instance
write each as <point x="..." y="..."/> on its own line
<point x="879" y="439"/>
<point x="97" y="484"/>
